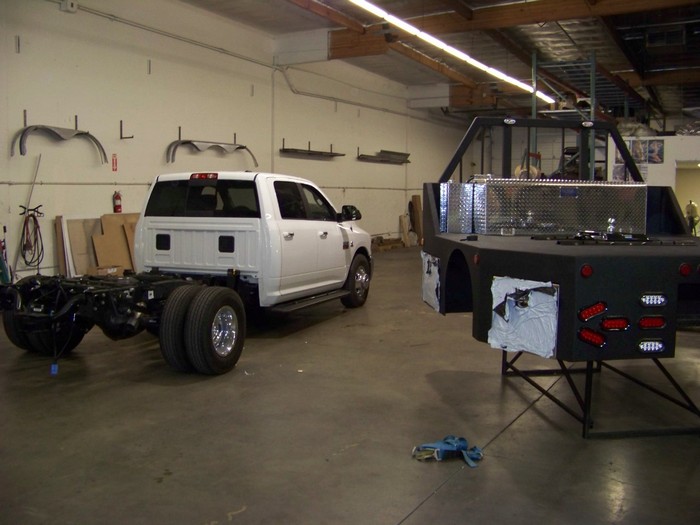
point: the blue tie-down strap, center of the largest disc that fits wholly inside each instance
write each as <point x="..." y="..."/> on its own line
<point x="449" y="447"/>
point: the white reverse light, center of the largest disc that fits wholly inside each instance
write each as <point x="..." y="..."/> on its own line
<point x="654" y="299"/>
<point x="651" y="347"/>
<point x="414" y="31"/>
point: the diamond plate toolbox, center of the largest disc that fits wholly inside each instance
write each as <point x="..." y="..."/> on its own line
<point x="526" y="207"/>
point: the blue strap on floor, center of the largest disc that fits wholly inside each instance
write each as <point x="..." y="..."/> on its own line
<point x="449" y="447"/>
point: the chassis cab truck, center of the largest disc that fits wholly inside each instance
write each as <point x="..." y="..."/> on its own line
<point x="209" y="246"/>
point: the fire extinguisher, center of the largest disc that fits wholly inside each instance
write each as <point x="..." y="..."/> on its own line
<point x="117" y="202"/>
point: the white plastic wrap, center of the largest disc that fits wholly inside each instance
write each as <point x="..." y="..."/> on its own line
<point x="525" y="315"/>
<point x="431" y="280"/>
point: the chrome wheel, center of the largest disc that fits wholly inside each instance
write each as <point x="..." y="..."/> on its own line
<point x="215" y="330"/>
<point x="224" y="331"/>
<point x="361" y="281"/>
<point x="357" y="283"/>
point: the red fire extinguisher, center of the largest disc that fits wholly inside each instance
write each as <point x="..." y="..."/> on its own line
<point x="117" y="202"/>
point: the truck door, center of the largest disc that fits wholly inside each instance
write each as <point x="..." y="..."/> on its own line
<point x="298" y="242"/>
<point x="312" y="246"/>
<point x="331" y="263"/>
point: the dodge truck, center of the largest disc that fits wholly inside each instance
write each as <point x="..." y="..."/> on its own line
<point x="209" y="247"/>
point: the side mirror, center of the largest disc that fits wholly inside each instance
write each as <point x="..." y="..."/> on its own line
<point x="349" y="213"/>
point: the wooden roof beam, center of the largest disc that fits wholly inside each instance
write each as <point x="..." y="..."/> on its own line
<point x="345" y="43"/>
<point x="433" y="64"/>
<point x="336" y="17"/>
<point x="678" y="77"/>
<point x="542" y="11"/>
<point x="459" y="7"/>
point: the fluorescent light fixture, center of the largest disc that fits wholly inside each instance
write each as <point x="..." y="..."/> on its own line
<point x="425" y="37"/>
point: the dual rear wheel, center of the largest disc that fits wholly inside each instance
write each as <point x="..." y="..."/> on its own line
<point x="202" y="329"/>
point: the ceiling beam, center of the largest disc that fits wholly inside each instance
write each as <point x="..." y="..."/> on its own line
<point x="664" y="78"/>
<point x="511" y="15"/>
<point x="459" y="7"/>
<point x="433" y="64"/>
<point x="330" y="14"/>
<point x="345" y="43"/>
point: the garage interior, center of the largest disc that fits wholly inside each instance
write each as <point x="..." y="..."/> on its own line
<point x="317" y="422"/>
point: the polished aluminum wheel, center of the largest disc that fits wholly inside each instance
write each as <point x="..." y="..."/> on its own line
<point x="224" y="331"/>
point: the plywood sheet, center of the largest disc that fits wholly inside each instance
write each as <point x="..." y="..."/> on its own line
<point x="60" y="245"/>
<point x="417" y="217"/>
<point x="113" y="223"/>
<point x="111" y="251"/>
<point x="130" y="231"/>
<point x="116" y="248"/>
<point x="404" y="229"/>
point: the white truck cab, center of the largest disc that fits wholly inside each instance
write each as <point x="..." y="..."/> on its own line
<point x="280" y="234"/>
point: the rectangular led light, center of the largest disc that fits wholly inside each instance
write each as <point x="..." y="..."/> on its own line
<point x="654" y="299"/>
<point x="651" y="347"/>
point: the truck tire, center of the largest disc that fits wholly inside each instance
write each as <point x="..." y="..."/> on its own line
<point x="66" y="338"/>
<point x="172" y="327"/>
<point x="357" y="283"/>
<point x="13" y="331"/>
<point x="215" y="330"/>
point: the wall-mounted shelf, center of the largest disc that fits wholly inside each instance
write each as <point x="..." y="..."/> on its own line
<point x="308" y="152"/>
<point x="384" y="157"/>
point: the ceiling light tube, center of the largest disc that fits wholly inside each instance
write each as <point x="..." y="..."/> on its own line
<point x="414" y="31"/>
<point x="368" y="6"/>
<point x="404" y="26"/>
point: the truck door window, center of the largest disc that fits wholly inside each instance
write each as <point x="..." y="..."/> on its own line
<point x="289" y="200"/>
<point x="318" y="208"/>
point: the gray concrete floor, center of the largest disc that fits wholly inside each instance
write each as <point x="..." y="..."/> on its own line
<point x="317" y="422"/>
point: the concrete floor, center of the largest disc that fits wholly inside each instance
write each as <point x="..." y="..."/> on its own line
<point x="317" y="422"/>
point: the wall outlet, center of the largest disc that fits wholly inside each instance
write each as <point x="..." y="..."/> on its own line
<point x="69" y="6"/>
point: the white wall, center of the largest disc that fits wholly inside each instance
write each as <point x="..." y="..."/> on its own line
<point x="57" y="65"/>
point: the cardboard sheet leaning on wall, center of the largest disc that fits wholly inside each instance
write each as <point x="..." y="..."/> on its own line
<point x="101" y="246"/>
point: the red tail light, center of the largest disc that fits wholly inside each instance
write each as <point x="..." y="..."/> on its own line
<point x="591" y="311"/>
<point x="586" y="271"/>
<point x="685" y="270"/>
<point x="591" y="337"/>
<point x="652" y="322"/>
<point x="614" y="324"/>
<point x="204" y="176"/>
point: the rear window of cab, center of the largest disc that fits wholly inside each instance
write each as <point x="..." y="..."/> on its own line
<point x="203" y="198"/>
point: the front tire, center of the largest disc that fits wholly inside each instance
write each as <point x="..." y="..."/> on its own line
<point x="215" y="330"/>
<point x="358" y="282"/>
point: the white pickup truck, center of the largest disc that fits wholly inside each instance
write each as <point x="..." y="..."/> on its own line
<point x="208" y="247"/>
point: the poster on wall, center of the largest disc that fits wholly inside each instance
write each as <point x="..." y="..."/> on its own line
<point x="644" y="152"/>
<point x="647" y="151"/>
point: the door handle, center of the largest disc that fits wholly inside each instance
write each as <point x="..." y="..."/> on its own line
<point x="288" y="235"/>
<point x="323" y="235"/>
